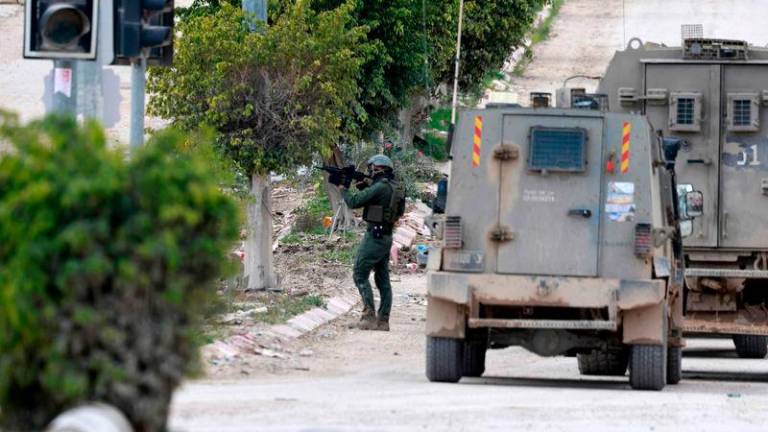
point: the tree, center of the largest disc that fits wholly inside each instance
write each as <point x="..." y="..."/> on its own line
<point x="410" y="47"/>
<point x="106" y="265"/>
<point x="275" y="98"/>
<point x="493" y="30"/>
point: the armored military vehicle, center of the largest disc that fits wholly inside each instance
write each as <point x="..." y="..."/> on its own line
<point x="712" y="94"/>
<point x="561" y="235"/>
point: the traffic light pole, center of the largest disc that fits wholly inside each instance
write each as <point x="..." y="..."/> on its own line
<point x="138" y="83"/>
<point x="256" y="7"/>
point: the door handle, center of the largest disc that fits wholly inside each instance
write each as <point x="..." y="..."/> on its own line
<point x="585" y="213"/>
<point x="725" y="224"/>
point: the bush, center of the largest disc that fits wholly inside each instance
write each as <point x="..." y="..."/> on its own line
<point x="309" y="218"/>
<point x="412" y="168"/>
<point x="105" y="264"/>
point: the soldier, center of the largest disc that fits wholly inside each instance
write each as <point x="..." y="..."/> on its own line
<point x="384" y="203"/>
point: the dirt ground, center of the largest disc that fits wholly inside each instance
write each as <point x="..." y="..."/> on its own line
<point x="350" y="380"/>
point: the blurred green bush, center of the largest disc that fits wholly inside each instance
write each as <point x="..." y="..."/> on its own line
<point x="105" y="265"/>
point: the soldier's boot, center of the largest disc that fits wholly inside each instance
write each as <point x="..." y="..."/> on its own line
<point x="382" y="324"/>
<point x="367" y="321"/>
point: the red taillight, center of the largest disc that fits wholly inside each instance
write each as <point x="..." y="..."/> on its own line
<point x="643" y="240"/>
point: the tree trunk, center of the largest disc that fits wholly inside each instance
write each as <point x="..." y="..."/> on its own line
<point x="259" y="267"/>
<point x="406" y="127"/>
<point x="411" y="117"/>
<point x="346" y="218"/>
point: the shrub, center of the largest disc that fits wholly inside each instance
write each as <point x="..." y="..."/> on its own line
<point x="105" y="264"/>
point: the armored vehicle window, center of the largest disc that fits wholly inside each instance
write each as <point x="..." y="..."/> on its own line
<point x="557" y="149"/>
<point x="743" y="112"/>
<point x="685" y="112"/>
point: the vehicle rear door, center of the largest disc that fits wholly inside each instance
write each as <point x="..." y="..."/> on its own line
<point x="744" y="157"/>
<point x="550" y="196"/>
<point x="683" y="100"/>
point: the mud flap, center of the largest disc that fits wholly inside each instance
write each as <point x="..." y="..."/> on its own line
<point x="645" y="326"/>
<point x="445" y="319"/>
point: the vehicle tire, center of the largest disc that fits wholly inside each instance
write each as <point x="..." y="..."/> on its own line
<point x="474" y="359"/>
<point x="751" y="346"/>
<point x="444" y="359"/>
<point x="648" y="367"/>
<point x="604" y="363"/>
<point x="674" y="364"/>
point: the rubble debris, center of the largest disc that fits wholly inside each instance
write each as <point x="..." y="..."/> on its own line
<point x="270" y="353"/>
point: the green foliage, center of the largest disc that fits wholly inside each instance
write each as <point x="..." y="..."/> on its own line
<point x="105" y="264"/>
<point x="291" y="239"/>
<point x="538" y="35"/>
<point x="433" y="147"/>
<point x="405" y="48"/>
<point x="492" y="30"/>
<point x="394" y="54"/>
<point x="275" y="97"/>
<point x="309" y="218"/>
<point x="340" y="255"/>
<point x="412" y="168"/>
<point x="204" y="7"/>
<point x="282" y="307"/>
<point x="541" y="33"/>
<point x="440" y="119"/>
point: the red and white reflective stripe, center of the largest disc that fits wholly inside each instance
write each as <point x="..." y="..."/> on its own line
<point x="478" y="141"/>
<point x="625" y="141"/>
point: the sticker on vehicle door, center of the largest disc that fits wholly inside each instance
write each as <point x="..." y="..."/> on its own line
<point x="620" y="201"/>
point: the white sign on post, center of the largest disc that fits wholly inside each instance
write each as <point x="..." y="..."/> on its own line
<point x="62" y="81"/>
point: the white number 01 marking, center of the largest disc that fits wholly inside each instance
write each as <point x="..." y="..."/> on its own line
<point x="745" y="156"/>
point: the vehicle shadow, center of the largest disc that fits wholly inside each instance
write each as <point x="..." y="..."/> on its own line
<point x="700" y="352"/>
<point x="726" y="376"/>
<point x="611" y="383"/>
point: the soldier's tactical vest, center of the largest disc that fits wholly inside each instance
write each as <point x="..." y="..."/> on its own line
<point x="391" y="213"/>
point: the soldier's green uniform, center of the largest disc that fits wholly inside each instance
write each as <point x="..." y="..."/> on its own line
<point x="373" y="253"/>
<point x="383" y="201"/>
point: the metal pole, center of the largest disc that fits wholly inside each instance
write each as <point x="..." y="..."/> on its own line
<point x="138" y="81"/>
<point x="90" y="101"/>
<point x="458" y="62"/>
<point x="256" y="7"/>
<point x="454" y="104"/>
<point x="63" y="103"/>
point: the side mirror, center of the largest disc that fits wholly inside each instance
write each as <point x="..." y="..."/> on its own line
<point x="694" y="204"/>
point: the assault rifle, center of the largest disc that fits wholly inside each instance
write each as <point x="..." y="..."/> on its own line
<point x="344" y="176"/>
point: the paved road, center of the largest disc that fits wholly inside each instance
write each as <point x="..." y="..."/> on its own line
<point x="374" y="381"/>
<point x="588" y="32"/>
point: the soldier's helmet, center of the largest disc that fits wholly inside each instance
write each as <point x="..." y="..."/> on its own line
<point x="381" y="160"/>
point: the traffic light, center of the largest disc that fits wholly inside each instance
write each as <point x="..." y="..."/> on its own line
<point x="61" y="29"/>
<point x="140" y="25"/>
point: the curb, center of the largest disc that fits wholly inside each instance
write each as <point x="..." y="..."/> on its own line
<point x="295" y="328"/>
